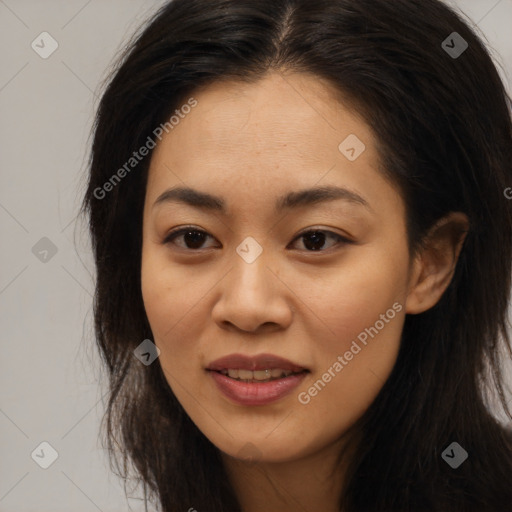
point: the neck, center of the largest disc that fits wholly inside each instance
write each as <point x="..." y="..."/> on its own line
<point x="313" y="482"/>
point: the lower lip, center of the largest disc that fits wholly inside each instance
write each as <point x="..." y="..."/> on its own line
<point x="259" y="393"/>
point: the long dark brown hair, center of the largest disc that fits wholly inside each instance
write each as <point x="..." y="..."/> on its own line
<point x="444" y="134"/>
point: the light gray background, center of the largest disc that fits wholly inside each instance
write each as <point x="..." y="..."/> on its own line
<point x="49" y="368"/>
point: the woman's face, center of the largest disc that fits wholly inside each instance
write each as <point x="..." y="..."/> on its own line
<point x="268" y="270"/>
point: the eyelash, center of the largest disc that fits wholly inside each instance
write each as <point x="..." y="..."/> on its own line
<point x="181" y="231"/>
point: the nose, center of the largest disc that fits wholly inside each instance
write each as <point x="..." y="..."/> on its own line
<point x="253" y="298"/>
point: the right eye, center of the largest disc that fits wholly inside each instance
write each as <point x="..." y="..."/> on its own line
<point x="192" y="237"/>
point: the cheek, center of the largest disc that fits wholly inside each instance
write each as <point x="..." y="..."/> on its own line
<point x="167" y="292"/>
<point x="350" y="302"/>
<point x="158" y="294"/>
<point x="173" y="301"/>
<point x="364" y="310"/>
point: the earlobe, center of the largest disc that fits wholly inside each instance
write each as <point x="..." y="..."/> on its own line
<point x="434" y="265"/>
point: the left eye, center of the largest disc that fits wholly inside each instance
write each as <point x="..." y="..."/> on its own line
<point x="314" y="240"/>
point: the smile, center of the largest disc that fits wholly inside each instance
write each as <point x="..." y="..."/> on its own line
<point x="249" y="376"/>
<point x="255" y="380"/>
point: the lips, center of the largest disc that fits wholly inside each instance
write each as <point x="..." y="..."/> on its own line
<point x="257" y="380"/>
<point x="260" y="362"/>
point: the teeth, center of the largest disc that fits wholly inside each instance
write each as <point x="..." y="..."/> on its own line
<point x="262" y="374"/>
<point x="245" y="374"/>
<point x="233" y="373"/>
<point x="258" y="375"/>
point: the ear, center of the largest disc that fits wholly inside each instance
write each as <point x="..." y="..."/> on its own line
<point x="434" y="265"/>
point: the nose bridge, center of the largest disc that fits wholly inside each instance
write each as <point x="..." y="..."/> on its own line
<point x="250" y="294"/>
<point x="251" y="275"/>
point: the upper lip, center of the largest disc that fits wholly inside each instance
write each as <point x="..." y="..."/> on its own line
<point x="254" y="363"/>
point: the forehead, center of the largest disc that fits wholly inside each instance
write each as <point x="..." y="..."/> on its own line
<point x="280" y="111"/>
<point x="279" y="132"/>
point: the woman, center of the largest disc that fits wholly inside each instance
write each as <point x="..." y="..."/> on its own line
<point x="303" y="245"/>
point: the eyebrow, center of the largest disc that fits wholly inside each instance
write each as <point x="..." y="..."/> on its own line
<point x="306" y="197"/>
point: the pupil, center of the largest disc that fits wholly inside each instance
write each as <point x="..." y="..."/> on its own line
<point x="194" y="239"/>
<point x="318" y="239"/>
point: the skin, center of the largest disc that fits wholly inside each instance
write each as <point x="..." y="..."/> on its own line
<point x="249" y="144"/>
